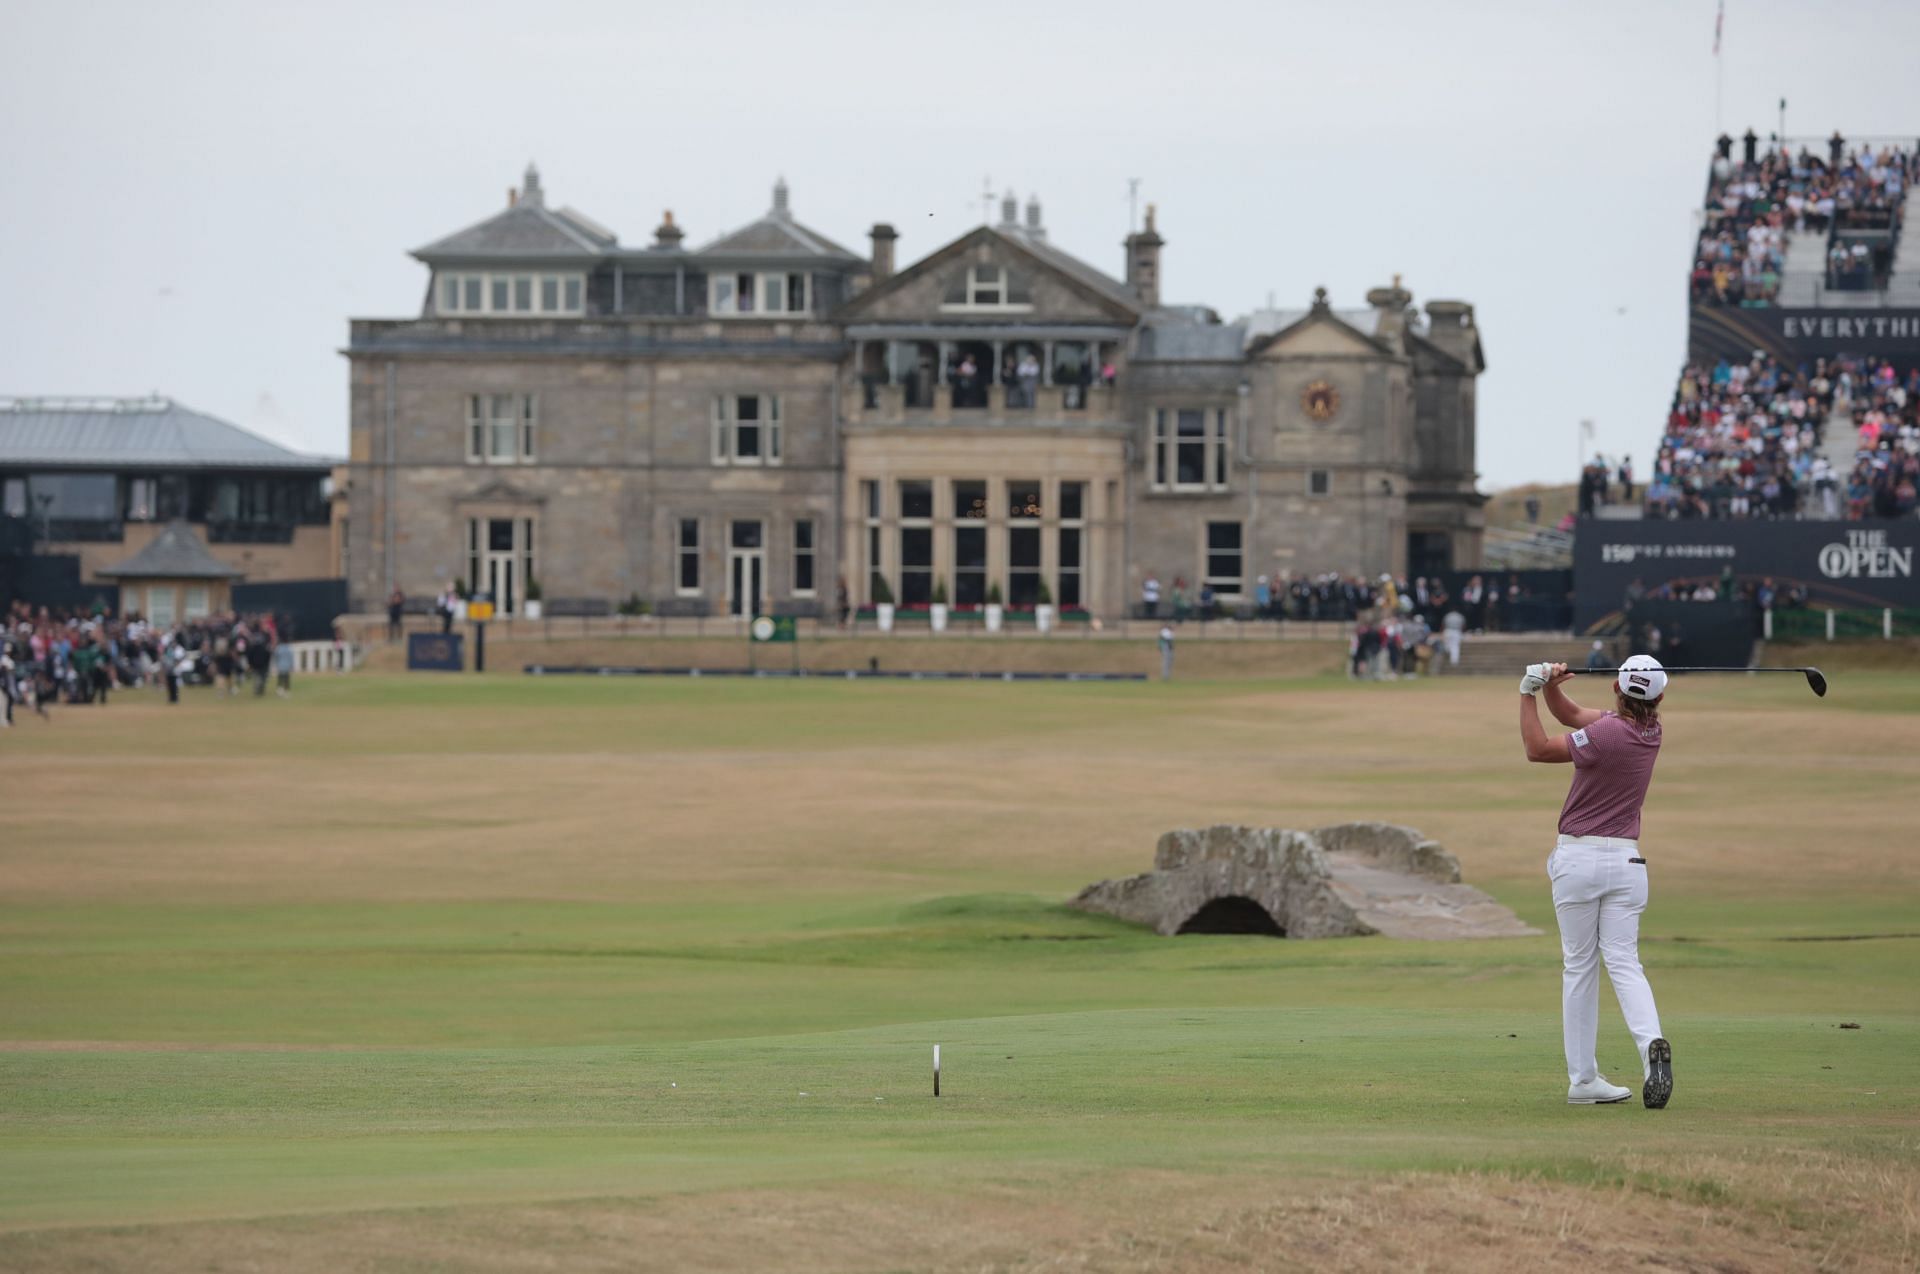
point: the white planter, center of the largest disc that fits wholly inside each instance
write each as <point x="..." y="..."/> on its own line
<point x="937" y="617"/>
<point x="530" y="609"/>
<point x="1043" y="619"/>
<point x="994" y="615"/>
<point x="883" y="616"/>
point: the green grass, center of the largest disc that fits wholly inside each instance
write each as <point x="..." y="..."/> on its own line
<point x="654" y="970"/>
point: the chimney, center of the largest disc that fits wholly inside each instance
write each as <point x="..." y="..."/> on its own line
<point x="1034" y="229"/>
<point x="1009" y="211"/>
<point x="513" y="196"/>
<point x="668" y="235"/>
<point x="1450" y="326"/>
<point x="780" y="197"/>
<point x="530" y="189"/>
<point x="1143" y="262"/>
<point x="883" y="236"/>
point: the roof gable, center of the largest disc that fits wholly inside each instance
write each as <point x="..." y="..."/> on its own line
<point x="175" y="553"/>
<point x="777" y="237"/>
<point x="1050" y="284"/>
<point x="1318" y="331"/>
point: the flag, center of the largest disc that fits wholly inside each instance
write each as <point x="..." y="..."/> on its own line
<point x="1719" y="20"/>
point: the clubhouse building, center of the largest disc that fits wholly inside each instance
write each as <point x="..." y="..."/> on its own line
<point x="741" y="427"/>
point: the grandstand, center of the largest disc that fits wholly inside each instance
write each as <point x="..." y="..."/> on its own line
<point x="1800" y="394"/>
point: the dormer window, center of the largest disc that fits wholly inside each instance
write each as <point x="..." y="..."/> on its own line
<point x="764" y="292"/>
<point x="512" y="295"/>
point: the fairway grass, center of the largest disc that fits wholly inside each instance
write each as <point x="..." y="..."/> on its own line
<point x="483" y="973"/>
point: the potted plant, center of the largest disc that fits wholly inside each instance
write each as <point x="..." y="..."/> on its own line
<point x="995" y="610"/>
<point x="531" y="607"/>
<point x="882" y="604"/>
<point x="1043" y="609"/>
<point x="937" y="611"/>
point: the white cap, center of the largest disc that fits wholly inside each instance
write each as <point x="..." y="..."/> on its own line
<point x="1642" y="677"/>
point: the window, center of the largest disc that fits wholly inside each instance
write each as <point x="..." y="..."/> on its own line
<point x="746" y="429"/>
<point x="143" y="499"/>
<point x="160" y="606"/>
<point x="970" y="501"/>
<point x="466" y="295"/>
<point x="916" y="499"/>
<point x="1023" y="566"/>
<point x="500" y="428"/>
<point x="1024" y="498"/>
<point x="1073" y="503"/>
<point x="803" y="558"/>
<point x="1319" y="482"/>
<point x="1224" y="570"/>
<point x="197" y="606"/>
<point x="687" y="580"/>
<point x="970" y="564"/>
<point x="746" y="292"/>
<point x="1189" y="451"/>
<point x="13" y="498"/>
<point x="986" y="285"/>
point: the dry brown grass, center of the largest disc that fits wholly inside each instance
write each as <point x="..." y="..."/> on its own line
<point x="1138" y="1224"/>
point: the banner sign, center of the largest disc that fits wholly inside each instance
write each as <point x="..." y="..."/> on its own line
<point x="1845" y="565"/>
<point x="434" y="652"/>
<point x="1797" y="335"/>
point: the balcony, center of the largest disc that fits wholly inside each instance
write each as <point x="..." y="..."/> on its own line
<point x="914" y="404"/>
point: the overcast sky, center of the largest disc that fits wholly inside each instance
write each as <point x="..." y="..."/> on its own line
<point x="199" y="196"/>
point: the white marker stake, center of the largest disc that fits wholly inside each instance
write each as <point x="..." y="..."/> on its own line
<point x="936" y="1070"/>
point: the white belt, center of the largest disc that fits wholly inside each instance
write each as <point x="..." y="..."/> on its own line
<point x="1598" y="842"/>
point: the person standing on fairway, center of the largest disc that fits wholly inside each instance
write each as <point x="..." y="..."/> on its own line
<point x="1599" y="876"/>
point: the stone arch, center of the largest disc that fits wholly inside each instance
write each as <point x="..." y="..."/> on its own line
<point x="1232" y="913"/>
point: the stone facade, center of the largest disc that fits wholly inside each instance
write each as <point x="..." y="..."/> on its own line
<point x="998" y="415"/>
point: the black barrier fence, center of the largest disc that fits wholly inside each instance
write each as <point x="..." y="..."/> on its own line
<point x="309" y="606"/>
<point x="1544" y="602"/>
<point x="52" y="580"/>
<point x="1701" y="634"/>
<point x="1845" y="565"/>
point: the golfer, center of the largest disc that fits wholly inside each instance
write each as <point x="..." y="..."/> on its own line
<point x="1599" y="876"/>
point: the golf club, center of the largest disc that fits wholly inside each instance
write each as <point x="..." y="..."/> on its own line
<point x="1816" y="679"/>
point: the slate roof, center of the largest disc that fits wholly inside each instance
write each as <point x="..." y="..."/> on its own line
<point x="175" y="553"/>
<point x="1099" y="280"/>
<point x="527" y="230"/>
<point x="133" y="433"/>
<point x="1182" y="336"/>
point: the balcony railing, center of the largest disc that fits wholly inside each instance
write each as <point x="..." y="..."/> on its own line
<point x="873" y="403"/>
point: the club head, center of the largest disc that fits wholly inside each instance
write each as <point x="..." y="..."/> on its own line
<point x="1817" y="680"/>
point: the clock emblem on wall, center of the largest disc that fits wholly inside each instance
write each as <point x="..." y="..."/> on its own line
<point x="1320" y="400"/>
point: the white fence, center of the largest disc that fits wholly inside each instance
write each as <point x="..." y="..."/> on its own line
<point x="322" y="656"/>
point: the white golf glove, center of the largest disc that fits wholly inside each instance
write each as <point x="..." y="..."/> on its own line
<point x="1535" y="679"/>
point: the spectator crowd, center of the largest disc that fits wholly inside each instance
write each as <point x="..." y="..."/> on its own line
<point x="1744" y="440"/>
<point x="1754" y="202"/>
<point x="50" y="656"/>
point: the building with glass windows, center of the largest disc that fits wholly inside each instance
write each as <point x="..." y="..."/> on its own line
<point x="103" y="479"/>
<point x="742" y="426"/>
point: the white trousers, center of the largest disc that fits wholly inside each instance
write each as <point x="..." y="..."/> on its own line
<point x="1598" y="896"/>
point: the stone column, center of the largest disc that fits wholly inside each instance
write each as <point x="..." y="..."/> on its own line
<point x="997" y="535"/>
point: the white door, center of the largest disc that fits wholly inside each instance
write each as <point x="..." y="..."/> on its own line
<point x="500" y="557"/>
<point x="746" y="569"/>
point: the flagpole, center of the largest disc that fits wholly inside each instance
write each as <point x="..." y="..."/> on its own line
<point x="1719" y="73"/>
